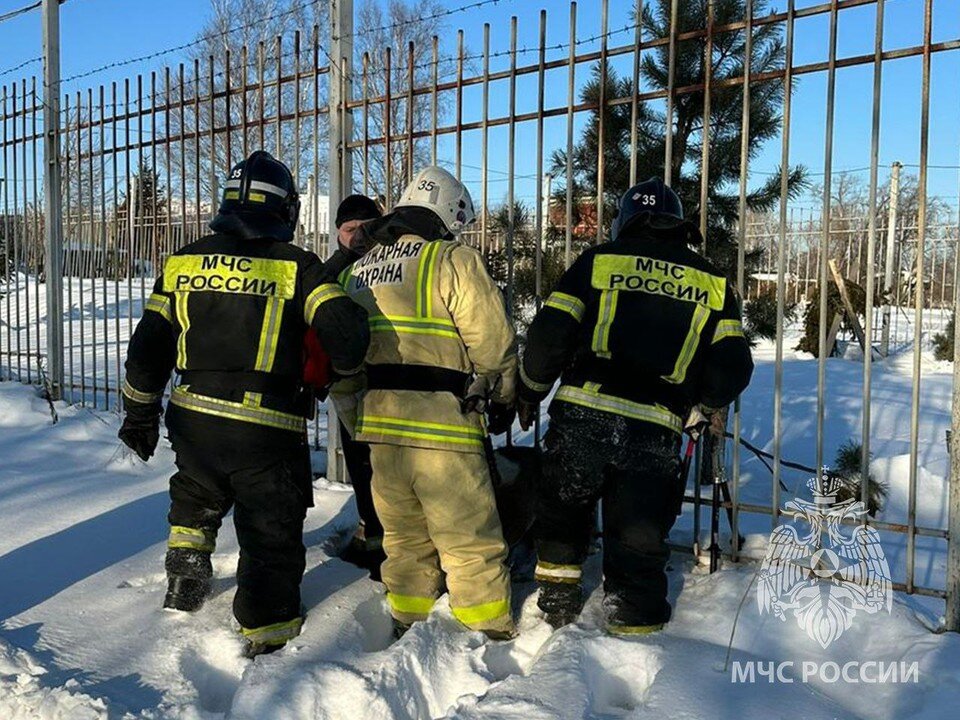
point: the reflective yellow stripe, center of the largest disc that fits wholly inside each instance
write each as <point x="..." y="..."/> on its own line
<point x="476" y="614"/>
<point x="319" y="295"/>
<point x="416" y="429"/>
<point x="566" y="303"/>
<point x="690" y="344"/>
<point x="183" y="317"/>
<point x="160" y="304"/>
<point x="558" y="573"/>
<point x="591" y="398"/>
<point x="413" y="325"/>
<point x="138" y="395"/>
<point x="276" y="634"/>
<point x="411" y="604"/>
<point x="425" y="279"/>
<point x="601" y="333"/>
<point x="193" y="538"/>
<point x="246" y="411"/>
<point x="269" y="334"/>
<point x="230" y="274"/>
<point x="533" y="384"/>
<point x="634" y="273"/>
<point x="634" y="629"/>
<point x="727" y="329"/>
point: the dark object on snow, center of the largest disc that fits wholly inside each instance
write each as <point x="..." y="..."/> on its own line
<point x="560" y="602"/>
<point x="186" y="594"/>
<point x="366" y="547"/>
<point x="364" y="555"/>
<point x="515" y="471"/>
<point x="253" y="649"/>
<point x="188" y="578"/>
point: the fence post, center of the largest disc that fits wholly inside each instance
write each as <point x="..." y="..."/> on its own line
<point x="53" y="207"/>
<point x="889" y="288"/>
<point x="340" y="171"/>
<point x="953" y="521"/>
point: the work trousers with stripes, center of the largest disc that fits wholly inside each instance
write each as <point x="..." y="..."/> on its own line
<point x="264" y="475"/>
<point x="632" y="467"/>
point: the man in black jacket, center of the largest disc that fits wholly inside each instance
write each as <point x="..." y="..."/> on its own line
<point x="229" y="314"/>
<point x="643" y="329"/>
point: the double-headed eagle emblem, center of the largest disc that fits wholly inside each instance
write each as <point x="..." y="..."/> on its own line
<point x="821" y="575"/>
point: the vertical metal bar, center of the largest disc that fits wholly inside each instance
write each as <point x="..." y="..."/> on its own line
<point x="82" y="250"/>
<point x="918" y="296"/>
<point x="227" y="112"/>
<point x="538" y="224"/>
<point x="705" y="140"/>
<point x="155" y="220"/>
<point x="635" y="94"/>
<point x="168" y="240"/>
<point x="297" y="139"/>
<point x="571" y="82"/>
<point x="366" y="124"/>
<point x="315" y="198"/>
<point x="196" y="146"/>
<point x="484" y="140"/>
<point x="823" y="275"/>
<point x="387" y="110"/>
<point x="434" y="107"/>
<point x="25" y="235"/>
<point x="9" y="244"/>
<point x="279" y="143"/>
<point x="183" y="158"/>
<point x="671" y="77"/>
<point x="871" y="255"/>
<point x="742" y="240"/>
<point x="117" y="234"/>
<point x="141" y="166"/>
<point x="212" y="119"/>
<point x="69" y="269"/>
<point x="409" y="123"/>
<point x="104" y="258"/>
<point x="244" y="101"/>
<point x="511" y="161"/>
<point x="459" y="158"/>
<point x="784" y="199"/>
<point x="261" y="92"/>
<point x="601" y="118"/>
<point x="889" y="288"/>
<point x="952" y="613"/>
<point x="53" y="225"/>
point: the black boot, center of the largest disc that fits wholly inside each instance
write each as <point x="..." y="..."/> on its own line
<point x="188" y="578"/>
<point x="560" y="602"/>
<point x="251" y="649"/>
<point x="365" y="553"/>
<point x="400" y="628"/>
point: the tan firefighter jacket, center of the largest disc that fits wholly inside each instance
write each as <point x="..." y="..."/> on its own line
<point x="437" y="323"/>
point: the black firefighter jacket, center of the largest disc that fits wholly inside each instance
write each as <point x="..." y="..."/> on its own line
<point x="641" y="327"/>
<point x="230" y="314"/>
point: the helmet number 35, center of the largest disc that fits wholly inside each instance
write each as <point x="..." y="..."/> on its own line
<point x="432" y="187"/>
<point x="648" y="199"/>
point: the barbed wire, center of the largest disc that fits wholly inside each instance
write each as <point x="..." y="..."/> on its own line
<point x="21" y="65"/>
<point x="446" y="12"/>
<point x="14" y="13"/>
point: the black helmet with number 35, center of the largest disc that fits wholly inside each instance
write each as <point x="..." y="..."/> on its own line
<point x="655" y="205"/>
<point x="260" y="200"/>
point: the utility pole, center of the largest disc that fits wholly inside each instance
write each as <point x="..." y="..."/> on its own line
<point x="889" y="289"/>
<point x="340" y="171"/>
<point x="53" y="219"/>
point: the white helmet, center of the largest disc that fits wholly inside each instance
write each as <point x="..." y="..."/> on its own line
<point x="435" y="189"/>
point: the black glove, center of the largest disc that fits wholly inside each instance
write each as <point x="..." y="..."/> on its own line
<point x="141" y="431"/>
<point x="527" y="412"/>
<point x="500" y="417"/>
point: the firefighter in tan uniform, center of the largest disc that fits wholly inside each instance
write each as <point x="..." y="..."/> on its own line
<point x="441" y="368"/>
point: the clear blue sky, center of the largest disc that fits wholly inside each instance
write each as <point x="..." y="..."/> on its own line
<point x="97" y="32"/>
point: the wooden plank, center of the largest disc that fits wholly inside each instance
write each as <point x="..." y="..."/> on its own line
<point x="851" y="314"/>
<point x="832" y="335"/>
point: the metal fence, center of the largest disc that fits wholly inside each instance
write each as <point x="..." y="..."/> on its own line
<point x="142" y="158"/>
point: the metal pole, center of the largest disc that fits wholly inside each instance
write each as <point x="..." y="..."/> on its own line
<point x="888" y="286"/>
<point x="953" y="547"/>
<point x="340" y="170"/>
<point x="53" y="206"/>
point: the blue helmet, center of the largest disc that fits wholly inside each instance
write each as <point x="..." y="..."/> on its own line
<point x="654" y="204"/>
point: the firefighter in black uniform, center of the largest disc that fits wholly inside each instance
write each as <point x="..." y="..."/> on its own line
<point x="643" y="330"/>
<point x="229" y="313"/>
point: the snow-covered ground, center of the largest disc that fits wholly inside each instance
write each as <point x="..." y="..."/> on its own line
<point x="82" y="535"/>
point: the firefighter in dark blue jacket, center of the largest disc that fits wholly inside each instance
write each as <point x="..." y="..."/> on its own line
<point x="229" y="314"/>
<point x="640" y="331"/>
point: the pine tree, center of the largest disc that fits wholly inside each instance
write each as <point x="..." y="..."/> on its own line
<point x="766" y="103"/>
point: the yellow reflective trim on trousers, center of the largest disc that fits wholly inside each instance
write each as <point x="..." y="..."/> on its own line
<point x="605" y="316"/>
<point x="533" y="384"/>
<point x="634" y="629"/>
<point x="138" y="395"/>
<point x="690" y="344"/>
<point x="425" y="279"/>
<point x="569" y="304"/>
<point x="269" y="334"/>
<point x="635" y="273"/>
<point x="476" y="614"/>
<point x="727" y="329"/>
<point x="317" y="297"/>
<point x="230" y="274"/>
<point x="411" y="604"/>
<point x="160" y="304"/>
<point x="193" y="538"/>
<point x="244" y="412"/>
<point x="460" y="429"/>
<point x="618" y="406"/>
<point x="183" y="317"/>
<point x="276" y="634"/>
<point x="558" y="573"/>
